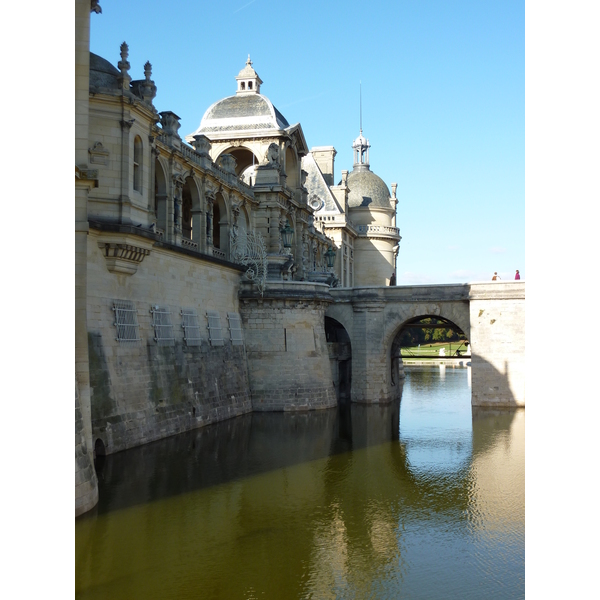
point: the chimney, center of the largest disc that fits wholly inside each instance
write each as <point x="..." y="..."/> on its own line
<point x="324" y="157"/>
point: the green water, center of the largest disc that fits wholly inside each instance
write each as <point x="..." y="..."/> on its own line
<point x="422" y="499"/>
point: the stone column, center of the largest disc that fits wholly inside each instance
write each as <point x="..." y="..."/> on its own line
<point x="275" y="244"/>
<point x="86" y="484"/>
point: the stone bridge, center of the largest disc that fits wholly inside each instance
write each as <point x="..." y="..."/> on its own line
<point x="491" y="315"/>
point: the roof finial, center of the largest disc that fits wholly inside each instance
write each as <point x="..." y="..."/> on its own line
<point x="248" y="62"/>
<point x="124" y="66"/>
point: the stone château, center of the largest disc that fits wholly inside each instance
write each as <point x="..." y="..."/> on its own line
<point x="204" y="262"/>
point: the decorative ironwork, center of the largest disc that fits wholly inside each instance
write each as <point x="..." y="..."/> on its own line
<point x="249" y="249"/>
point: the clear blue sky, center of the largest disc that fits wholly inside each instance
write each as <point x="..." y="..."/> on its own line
<point x="443" y="96"/>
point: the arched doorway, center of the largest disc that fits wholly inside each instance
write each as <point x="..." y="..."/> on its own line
<point x="340" y="356"/>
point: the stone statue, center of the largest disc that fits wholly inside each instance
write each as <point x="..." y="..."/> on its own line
<point x="272" y="156"/>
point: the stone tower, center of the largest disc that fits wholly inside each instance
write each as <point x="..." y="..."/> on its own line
<point x="372" y="209"/>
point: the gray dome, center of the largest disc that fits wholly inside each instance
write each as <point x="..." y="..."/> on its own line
<point x="242" y="112"/>
<point x="367" y="190"/>
<point x="103" y="75"/>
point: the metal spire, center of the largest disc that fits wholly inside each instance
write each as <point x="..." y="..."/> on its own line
<point x="360" y="92"/>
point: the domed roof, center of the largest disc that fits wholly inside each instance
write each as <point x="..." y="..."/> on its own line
<point x="246" y="111"/>
<point x="242" y="112"/>
<point x="367" y="190"/>
<point x="103" y="75"/>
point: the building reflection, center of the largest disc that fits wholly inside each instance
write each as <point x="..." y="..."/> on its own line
<point x="326" y="495"/>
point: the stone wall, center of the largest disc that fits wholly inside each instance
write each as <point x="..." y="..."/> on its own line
<point x="86" y="484"/>
<point x="497" y="315"/>
<point x="288" y="360"/>
<point x="146" y="389"/>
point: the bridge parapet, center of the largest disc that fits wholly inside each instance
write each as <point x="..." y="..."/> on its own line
<point x="491" y="314"/>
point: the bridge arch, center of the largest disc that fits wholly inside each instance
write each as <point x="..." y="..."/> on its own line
<point x="424" y="322"/>
<point x="339" y="347"/>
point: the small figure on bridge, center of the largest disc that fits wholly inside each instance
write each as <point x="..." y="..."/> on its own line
<point x="517" y="276"/>
<point x="393" y="279"/>
<point x="496" y="277"/>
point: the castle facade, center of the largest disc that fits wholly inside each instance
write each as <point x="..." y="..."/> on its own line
<point x="203" y="263"/>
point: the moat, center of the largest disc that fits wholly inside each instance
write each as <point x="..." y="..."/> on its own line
<point x="419" y="499"/>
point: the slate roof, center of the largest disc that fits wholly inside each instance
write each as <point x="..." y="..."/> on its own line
<point x="367" y="190"/>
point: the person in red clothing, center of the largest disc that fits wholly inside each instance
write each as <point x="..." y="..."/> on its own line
<point x="517" y="276"/>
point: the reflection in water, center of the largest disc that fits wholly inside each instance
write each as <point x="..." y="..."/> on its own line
<point x="422" y="499"/>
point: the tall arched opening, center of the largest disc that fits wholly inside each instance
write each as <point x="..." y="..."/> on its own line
<point x="190" y="201"/>
<point x="340" y="356"/>
<point x="220" y="232"/>
<point x="292" y="170"/>
<point x="160" y="197"/>
<point x="426" y="338"/>
<point x="244" y="159"/>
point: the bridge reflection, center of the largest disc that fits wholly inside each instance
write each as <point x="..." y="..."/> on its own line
<point x="340" y="482"/>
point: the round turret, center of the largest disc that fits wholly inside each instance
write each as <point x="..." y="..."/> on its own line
<point x="367" y="190"/>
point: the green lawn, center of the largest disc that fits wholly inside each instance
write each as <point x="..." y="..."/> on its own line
<point x="433" y="349"/>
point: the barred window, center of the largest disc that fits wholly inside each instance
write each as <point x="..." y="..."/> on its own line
<point x="126" y="321"/>
<point x="191" y="326"/>
<point x="215" y="334"/>
<point x="163" y="327"/>
<point x="235" y="329"/>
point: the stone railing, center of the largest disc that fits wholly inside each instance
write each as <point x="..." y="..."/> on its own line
<point x="381" y="229"/>
<point x="185" y="243"/>
<point x="331" y="218"/>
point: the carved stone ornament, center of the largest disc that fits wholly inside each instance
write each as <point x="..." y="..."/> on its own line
<point x="227" y="162"/>
<point x="170" y="122"/>
<point x="315" y="202"/>
<point x="272" y="156"/>
<point x="201" y="144"/>
<point x="98" y="154"/>
<point x="124" y="67"/>
<point x="123" y="253"/>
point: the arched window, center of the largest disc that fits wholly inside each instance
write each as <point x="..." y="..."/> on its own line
<point x="186" y="209"/>
<point x="137" y="164"/>
<point x="216" y="225"/>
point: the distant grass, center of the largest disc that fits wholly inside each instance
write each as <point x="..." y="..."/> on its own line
<point x="433" y="349"/>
